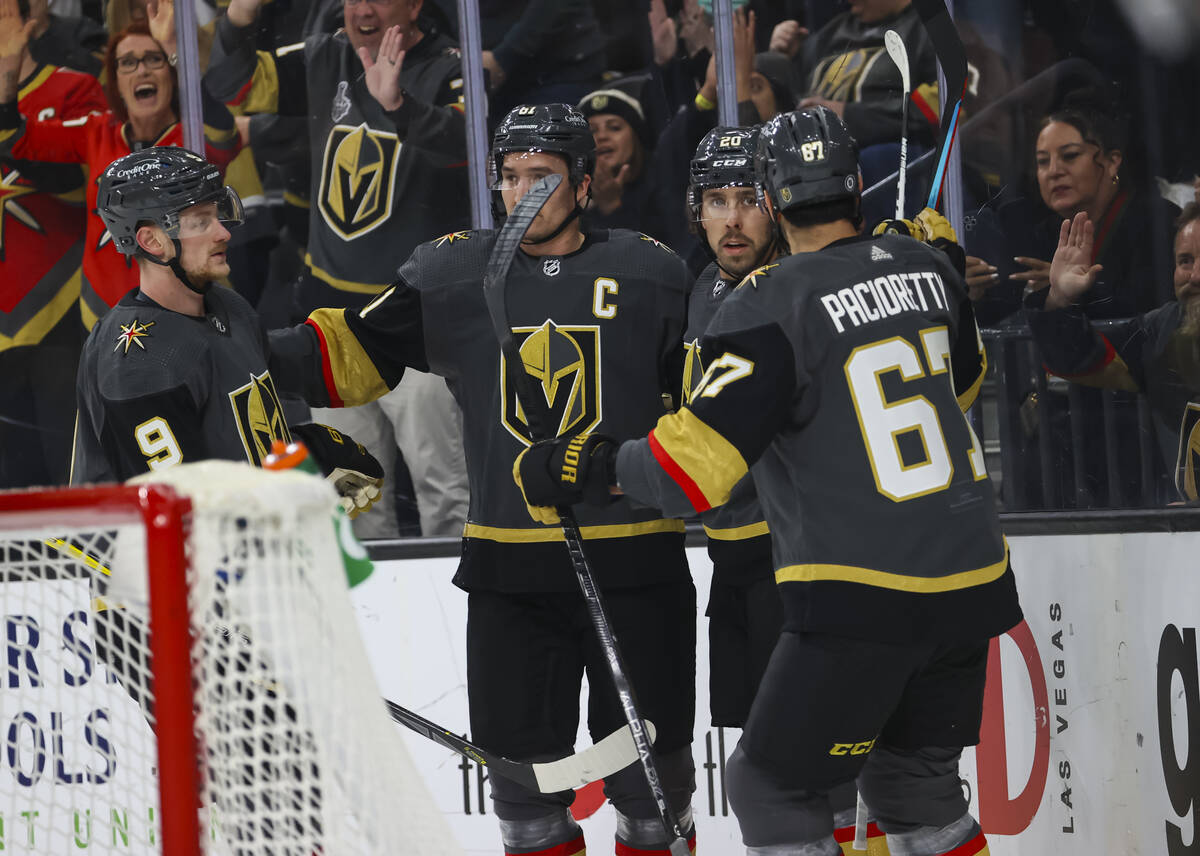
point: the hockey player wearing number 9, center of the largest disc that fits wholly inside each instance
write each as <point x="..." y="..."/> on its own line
<point x="599" y="319"/>
<point x="838" y="376"/>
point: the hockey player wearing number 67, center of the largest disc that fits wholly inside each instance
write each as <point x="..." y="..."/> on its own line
<point x="852" y="359"/>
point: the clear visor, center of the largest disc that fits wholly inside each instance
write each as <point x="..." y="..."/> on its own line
<point x="198" y="219"/>
<point x="522" y="176"/>
<point x="721" y="203"/>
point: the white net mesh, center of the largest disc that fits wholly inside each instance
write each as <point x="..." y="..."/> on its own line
<point x="297" y="749"/>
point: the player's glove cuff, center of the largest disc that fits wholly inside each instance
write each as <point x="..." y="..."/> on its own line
<point x="566" y="471"/>
<point x="347" y="465"/>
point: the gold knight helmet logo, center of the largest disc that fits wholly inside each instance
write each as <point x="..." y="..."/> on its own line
<point x="259" y="416"/>
<point x="565" y="362"/>
<point x="358" y="177"/>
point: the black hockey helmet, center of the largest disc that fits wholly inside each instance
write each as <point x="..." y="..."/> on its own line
<point x="806" y="157"/>
<point x="556" y="128"/>
<point x="724" y="158"/>
<point x="155" y="185"/>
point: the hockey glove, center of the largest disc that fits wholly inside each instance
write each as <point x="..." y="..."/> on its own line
<point x="565" y="471"/>
<point x="353" y="471"/>
<point x="932" y="228"/>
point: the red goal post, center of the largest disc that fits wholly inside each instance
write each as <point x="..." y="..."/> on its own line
<point x="184" y="675"/>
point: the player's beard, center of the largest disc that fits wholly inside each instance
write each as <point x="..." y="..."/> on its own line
<point x="1190" y="325"/>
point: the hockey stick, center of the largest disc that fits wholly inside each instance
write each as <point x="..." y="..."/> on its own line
<point x="615" y="752"/>
<point x="953" y="59"/>
<point x="508" y="242"/>
<point x="899" y="55"/>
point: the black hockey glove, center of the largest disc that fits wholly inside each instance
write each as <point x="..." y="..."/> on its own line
<point x="346" y="464"/>
<point x="565" y="471"/>
<point x="932" y="228"/>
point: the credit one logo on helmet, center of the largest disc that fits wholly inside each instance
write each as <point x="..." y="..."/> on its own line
<point x="358" y="176"/>
<point x="564" y="362"/>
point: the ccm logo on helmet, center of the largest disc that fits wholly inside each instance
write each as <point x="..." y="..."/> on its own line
<point x="730" y="162"/>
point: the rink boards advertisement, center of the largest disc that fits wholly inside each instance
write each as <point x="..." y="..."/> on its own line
<point x="1091" y="733"/>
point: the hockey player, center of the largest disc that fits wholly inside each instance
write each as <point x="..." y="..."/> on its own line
<point x="838" y="374"/>
<point x="177" y="370"/>
<point x="388" y="148"/>
<point x="744" y="611"/>
<point x="599" y="318"/>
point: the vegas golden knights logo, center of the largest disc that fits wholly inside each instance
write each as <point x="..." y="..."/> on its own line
<point x="693" y="368"/>
<point x="565" y="363"/>
<point x="1187" y="469"/>
<point x="837" y="78"/>
<point x="259" y="416"/>
<point x="358" y="175"/>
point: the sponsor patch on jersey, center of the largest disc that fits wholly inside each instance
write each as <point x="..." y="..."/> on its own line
<point x="551" y="267"/>
<point x="132" y="334"/>
<point x="259" y="416"/>
<point x="565" y="363"/>
<point x="879" y="254"/>
<point x="358" y="178"/>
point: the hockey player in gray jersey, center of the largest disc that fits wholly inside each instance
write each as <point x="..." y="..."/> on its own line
<point x="744" y="610"/>
<point x="837" y="375"/>
<point x="177" y="370"/>
<point x="599" y="320"/>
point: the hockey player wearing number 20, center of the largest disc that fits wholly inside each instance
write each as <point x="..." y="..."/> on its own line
<point x="855" y="355"/>
<point x="599" y="319"/>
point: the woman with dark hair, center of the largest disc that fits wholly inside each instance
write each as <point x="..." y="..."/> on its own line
<point x="1083" y="162"/>
<point x="142" y="90"/>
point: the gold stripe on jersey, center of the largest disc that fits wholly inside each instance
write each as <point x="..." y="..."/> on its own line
<point x="972" y="392"/>
<point x="355" y="377"/>
<point x="38" y="79"/>
<point x="708" y="459"/>
<point x="540" y="536"/>
<point x="738" y="533"/>
<point x="888" y="580"/>
<point x="343" y="284"/>
<point x="297" y="201"/>
<point x="44" y="319"/>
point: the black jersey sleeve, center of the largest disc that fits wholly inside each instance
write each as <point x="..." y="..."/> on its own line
<point x="1074" y="350"/>
<point x="235" y="67"/>
<point x="692" y="459"/>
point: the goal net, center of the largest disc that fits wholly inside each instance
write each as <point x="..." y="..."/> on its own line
<point x="184" y="675"/>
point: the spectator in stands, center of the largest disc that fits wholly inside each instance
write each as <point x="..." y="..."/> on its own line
<point x="141" y="88"/>
<point x="1083" y="164"/>
<point x="68" y="41"/>
<point x="540" y="52"/>
<point x="41" y="247"/>
<point x="620" y="186"/>
<point x="387" y="148"/>
<point x="843" y="67"/>
<point x="1156" y="353"/>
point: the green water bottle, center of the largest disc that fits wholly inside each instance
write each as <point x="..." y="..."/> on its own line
<point x="295" y="456"/>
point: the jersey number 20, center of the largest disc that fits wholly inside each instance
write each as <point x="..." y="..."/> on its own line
<point x="883" y="422"/>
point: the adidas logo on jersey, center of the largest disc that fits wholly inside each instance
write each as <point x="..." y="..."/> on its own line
<point x="878" y="254"/>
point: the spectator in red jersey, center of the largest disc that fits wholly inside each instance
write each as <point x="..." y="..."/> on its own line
<point x="41" y="247"/>
<point x="142" y="88"/>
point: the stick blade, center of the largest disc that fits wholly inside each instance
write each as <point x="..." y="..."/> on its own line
<point x="899" y="54"/>
<point x="615" y="752"/>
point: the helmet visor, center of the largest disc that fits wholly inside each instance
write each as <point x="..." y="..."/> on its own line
<point x="728" y="200"/>
<point x="198" y="219"/>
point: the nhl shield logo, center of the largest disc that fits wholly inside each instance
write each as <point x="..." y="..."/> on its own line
<point x="564" y="361"/>
<point x="259" y="416"/>
<point x="551" y="267"/>
<point x="358" y="176"/>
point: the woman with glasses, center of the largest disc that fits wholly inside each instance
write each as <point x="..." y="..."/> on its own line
<point x="143" y="100"/>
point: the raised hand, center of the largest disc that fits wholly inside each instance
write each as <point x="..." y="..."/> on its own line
<point x="382" y="74"/>
<point x="787" y="37"/>
<point x="662" y="33"/>
<point x="14" y="38"/>
<point x="1071" y="271"/>
<point x="161" y="15"/>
